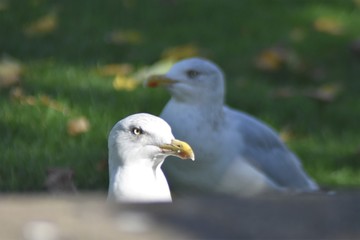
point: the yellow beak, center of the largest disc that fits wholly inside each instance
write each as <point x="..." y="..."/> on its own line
<point x="179" y="149"/>
<point x="159" y="80"/>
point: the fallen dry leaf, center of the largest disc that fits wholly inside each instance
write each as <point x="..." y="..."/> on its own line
<point x="126" y="83"/>
<point x="115" y="69"/>
<point x="270" y="59"/>
<point x="125" y="37"/>
<point x="18" y="94"/>
<point x="78" y="126"/>
<point x="180" y="52"/>
<point x="275" y="58"/>
<point x="60" y="180"/>
<point x="10" y="72"/>
<point x="325" y="94"/>
<point x="43" y="25"/>
<point x="51" y="103"/>
<point x="329" y="25"/>
<point x="286" y="134"/>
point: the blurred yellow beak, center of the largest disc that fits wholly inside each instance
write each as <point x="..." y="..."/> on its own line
<point x="179" y="149"/>
<point x="159" y="80"/>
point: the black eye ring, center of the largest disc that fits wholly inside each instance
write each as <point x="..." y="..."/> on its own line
<point x="192" y="73"/>
<point x="136" y="131"/>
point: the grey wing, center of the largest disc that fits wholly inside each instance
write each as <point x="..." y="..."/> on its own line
<point x="264" y="150"/>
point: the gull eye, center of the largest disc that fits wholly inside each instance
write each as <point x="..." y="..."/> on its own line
<point x="192" y="73"/>
<point x="136" y="131"/>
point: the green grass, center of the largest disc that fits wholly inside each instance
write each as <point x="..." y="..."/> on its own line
<point x="62" y="65"/>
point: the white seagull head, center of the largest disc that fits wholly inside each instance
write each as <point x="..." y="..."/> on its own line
<point x="146" y="139"/>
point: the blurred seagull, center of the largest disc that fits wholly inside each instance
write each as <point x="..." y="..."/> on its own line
<point x="138" y="145"/>
<point x="236" y="153"/>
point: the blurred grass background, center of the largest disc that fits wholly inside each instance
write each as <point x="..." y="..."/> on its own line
<point x="293" y="64"/>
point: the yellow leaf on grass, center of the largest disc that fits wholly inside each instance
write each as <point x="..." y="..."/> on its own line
<point x="18" y="94"/>
<point x="115" y="69"/>
<point x="45" y="100"/>
<point x="277" y="57"/>
<point x="329" y="25"/>
<point x="10" y="71"/>
<point x="125" y="37"/>
<point x="43" y="25"/>
<point x="122" y="82"/>
<point x="326" y="93"/>
<point x="286" y="134"/>
<point x="269" y="60"/>
<point x="51" y="103"/>
<point x="180" y="52"/>
<point x="78" y="126"/>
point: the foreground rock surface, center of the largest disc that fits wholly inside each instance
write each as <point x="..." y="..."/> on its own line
<point x="307" y="216"/>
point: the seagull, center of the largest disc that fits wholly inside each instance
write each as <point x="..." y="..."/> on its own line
<point x="138" y="145"/>
<point x="236" y="153"/>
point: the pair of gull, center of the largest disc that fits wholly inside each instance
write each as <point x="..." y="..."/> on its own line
<point x="235" y="153"/>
